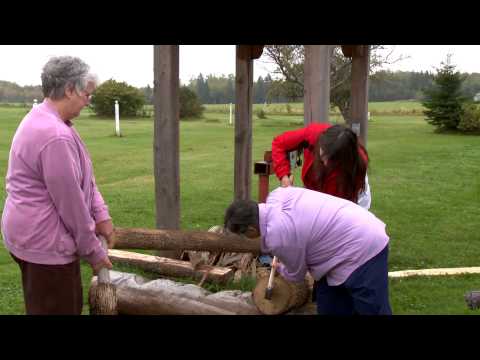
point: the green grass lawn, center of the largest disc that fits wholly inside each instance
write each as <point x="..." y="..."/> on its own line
<point x="425" y="187"/>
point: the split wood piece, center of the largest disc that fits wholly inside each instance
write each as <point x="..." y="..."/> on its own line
<point x="157" y="239"/>
<point x="434" y="272"/>
<point x="138" y="296"/>
<point x="286" y="295"/>
<point x="171" y="267"/>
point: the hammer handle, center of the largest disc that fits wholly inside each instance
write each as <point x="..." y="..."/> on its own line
<point x="272" y="273"/>
<point x="103" y="274"/>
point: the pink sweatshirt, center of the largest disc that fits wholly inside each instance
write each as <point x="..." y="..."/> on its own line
<point x="312" y="231"/>
<point x="52" y="202"/>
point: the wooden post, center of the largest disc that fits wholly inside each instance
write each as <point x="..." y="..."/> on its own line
<point x="317" y="83"/>
<point x="243" y="122"/>
<point x="166" y="139"/>
<point x="359" y="110"/>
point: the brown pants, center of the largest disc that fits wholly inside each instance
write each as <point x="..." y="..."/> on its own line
<point x="51" y="289"/>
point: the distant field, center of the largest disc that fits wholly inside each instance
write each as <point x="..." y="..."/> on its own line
<point x="375" y="108"/>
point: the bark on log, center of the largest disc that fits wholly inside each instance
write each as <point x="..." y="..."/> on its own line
<point x="286" y="295"/>
<point x="171" y="267"/>
<point x="149" y="239"/>
<point x="137" y="296"/>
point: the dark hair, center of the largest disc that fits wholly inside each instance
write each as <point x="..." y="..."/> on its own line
<point x="341" y="147"/>
<point x="240" y="214"/>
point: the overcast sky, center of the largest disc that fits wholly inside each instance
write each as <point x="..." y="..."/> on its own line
<point x="134" y="63"/>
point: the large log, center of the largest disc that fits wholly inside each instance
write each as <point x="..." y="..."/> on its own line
<point x="149" y="239"/>
<point x="286" y="295"/>
<point x="137" y="296"/>
<point x="171" y="267"/>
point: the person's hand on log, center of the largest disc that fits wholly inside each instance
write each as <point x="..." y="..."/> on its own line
<point x="104" y="263"/>
<point x="286" y="181"/>
<point x="105" y="228"/>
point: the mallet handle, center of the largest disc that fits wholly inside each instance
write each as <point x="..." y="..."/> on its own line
<point x="272" y="273"/>
<point x="103" y="274"/>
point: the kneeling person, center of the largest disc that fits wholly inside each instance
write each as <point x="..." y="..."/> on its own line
<point x="342" y="245"/>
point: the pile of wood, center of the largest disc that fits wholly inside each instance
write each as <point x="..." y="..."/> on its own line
<point x="138" y="296"/>
<point x="231" y="257"/>
<point x="242" y="264"/>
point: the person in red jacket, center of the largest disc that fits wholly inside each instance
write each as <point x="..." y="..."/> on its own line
<point x="335" y="162"/>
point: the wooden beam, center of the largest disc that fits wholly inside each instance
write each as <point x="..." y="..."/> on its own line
<point x="348" y="50"/>
<point x="251" y="52"/>
<point x="359" y="110"/>
<point x="243" y="122"/>
<point x="161" y="239"/>
<point x="171" y="267"/>
<point x="166" y="139"/>
<point x="317" y="83"/>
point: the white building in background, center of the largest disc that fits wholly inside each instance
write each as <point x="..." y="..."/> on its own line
<point x="476" y="97"/>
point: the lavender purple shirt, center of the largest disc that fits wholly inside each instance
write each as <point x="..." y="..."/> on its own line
<point x="52" y="202"/>
<point x="312" y="231"/>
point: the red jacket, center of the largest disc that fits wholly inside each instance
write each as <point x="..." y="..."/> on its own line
<point x="291" y="140"/>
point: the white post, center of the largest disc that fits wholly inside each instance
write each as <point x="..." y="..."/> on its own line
<point x="34" y="103"/>
<point x="117" y="118"/>
<point x="230" y="121"/>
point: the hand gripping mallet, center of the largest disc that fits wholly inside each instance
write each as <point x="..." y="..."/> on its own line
<point x="269" y="289"/>
<point x="105" y="293"/>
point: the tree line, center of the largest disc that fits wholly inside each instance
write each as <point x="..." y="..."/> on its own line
<point x="383" y="86"/>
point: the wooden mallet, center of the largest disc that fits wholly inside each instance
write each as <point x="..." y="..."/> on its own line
<point x="103" y="298"/>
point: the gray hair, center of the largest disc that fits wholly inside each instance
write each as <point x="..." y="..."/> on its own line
<point x="64" y="72"/>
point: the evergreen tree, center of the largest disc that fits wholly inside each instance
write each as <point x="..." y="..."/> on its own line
<point x="202" y="90"/>
<point x="259" y="91"/>
<point x="444" y="100"/>
<point x="230" y="91"/>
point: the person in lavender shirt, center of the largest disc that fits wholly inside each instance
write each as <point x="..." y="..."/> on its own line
<point x="53" y="210"/>
<point x="341" y="244"/>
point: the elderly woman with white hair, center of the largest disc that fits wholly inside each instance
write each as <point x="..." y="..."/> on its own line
<point x="54" y="211"/>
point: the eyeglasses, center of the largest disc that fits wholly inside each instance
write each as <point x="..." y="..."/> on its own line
<point x="88" y="96"/>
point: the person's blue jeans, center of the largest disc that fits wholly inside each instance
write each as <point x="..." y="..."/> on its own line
<point x="365" y="292"/>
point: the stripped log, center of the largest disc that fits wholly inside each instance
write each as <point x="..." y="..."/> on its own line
<point x="137" y="296"/>
<point x="434" y="272"/>
<point x="286" y="295"/>
<point x="171" y="267"/>
<point x="156" y="239"/>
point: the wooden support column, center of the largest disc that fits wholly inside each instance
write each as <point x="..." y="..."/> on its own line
<point x="166" y="139"/>
<point x="359" y="109"/>
<point x="243" y="122"/>
<point x="317" y="83"/>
